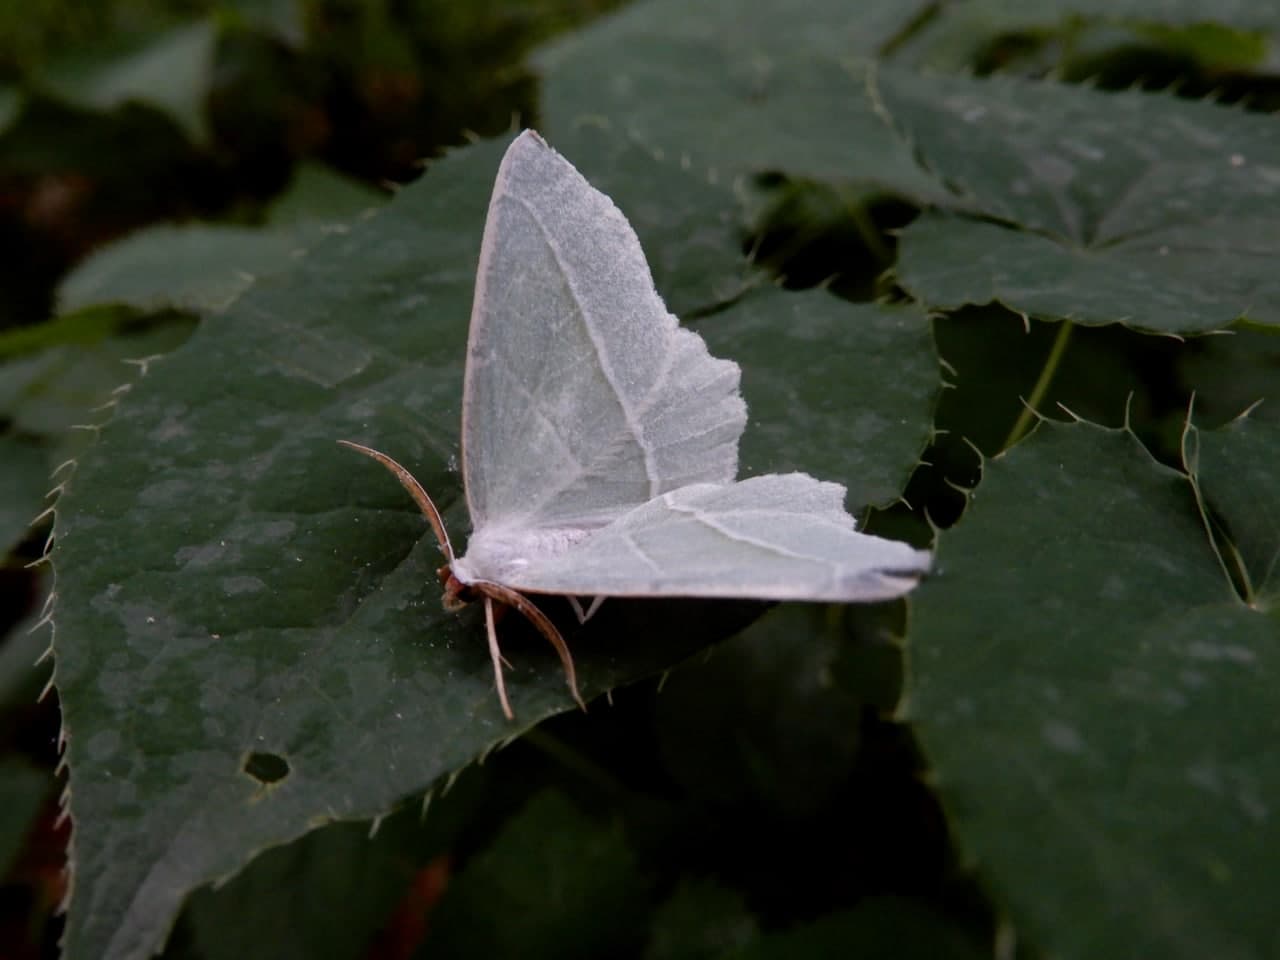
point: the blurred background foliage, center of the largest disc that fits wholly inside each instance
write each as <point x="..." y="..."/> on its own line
<point x="113" y="115"/>
<point x="276" y="118"/>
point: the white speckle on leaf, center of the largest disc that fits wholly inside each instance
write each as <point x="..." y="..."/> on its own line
<point x="1052" y="170"/>
<point x="172" y="427"/>
<point x="1062" y="736"/>
<point x="1217" y="652"/>
<point x="234" y="586"/>
<point x="1206" y="777"/>
<point x="274" y="531"/>
<point x="1085" y="151"/>
<point x="1253" y="806"/>
<point x="1114" y="588"/>
<point x="202" y="555"/>
<point x="103" y="745"/>
<point x="1192" y="679"/>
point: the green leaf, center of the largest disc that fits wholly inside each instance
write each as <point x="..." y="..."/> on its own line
<point x="320" y="198"/>
<point x="61" y="392"/>
<point x="1216" y="47"/>
<point x="204" y="266"/>
<point x="282" y="610"/>
<point x="701" y="920"/>
<point x="201" y="267"/>
<point x="956" y="36"/>
<point x="82" y="327"/>
<point x="1114" y="208"/>
<point x="779" y="84"/>
<point x="23" y="789"/>
<point x="171" y="72"/>
<point x="553" y="883"/>
<point x="1246" y="14"/>
<point x="1100" y="707"/>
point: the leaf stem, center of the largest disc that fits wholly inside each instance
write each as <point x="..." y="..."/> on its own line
<point x="1051" y="364"/>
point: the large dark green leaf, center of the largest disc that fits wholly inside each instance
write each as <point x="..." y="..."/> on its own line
<point x="1099" y="705"/>
<point x="1113" y="208"/>
<point x="271" y="655"/>
<point x="735" y="94"/>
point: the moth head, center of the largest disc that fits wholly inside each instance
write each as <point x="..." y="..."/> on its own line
<point x="456" y="593"/>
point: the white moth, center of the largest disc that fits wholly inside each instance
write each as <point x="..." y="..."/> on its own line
<point x="600" y="438"/>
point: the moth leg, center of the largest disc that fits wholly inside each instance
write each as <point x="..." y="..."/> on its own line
<point x="513" y="598"/>
<point x="585" y="615"/>
<point x="500" y="610"/>
<point x="496" y="656"/>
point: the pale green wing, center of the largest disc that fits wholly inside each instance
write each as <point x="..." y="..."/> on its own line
<point x="775" y="537"/>
<point x="583" y="397"/>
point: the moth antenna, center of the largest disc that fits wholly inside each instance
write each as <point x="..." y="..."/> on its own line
<point x="520" y="602"/>
<point x="496" y="656"/>
<point x="419" y="495"/>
